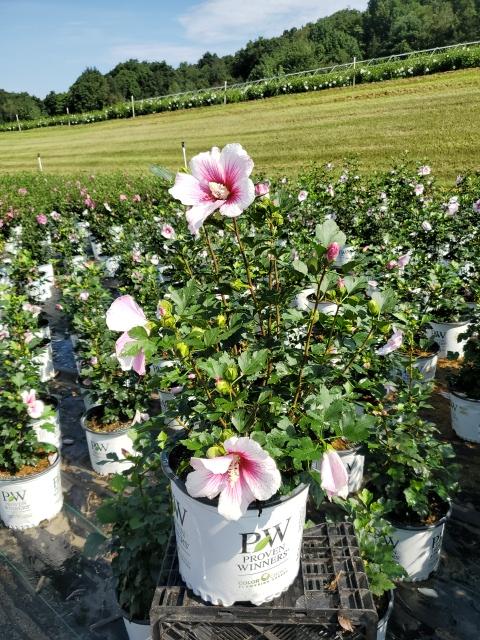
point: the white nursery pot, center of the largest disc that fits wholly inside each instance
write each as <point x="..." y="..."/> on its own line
<point x="354" y="461"/>
<point x="253" y="559"/>
<point x="417" y="549"/>
<point x="383" y="621"/>
<point x="101" y="444"/>
<point x="427" y="366"/>
<point x="304" y="304"/>
<point x="97" y="248"/>
<point x="45" y="435"/>
<point x="346" y="255"/>
<point x="26" y="501"/>
<point x="41" y="290"/>
<point x="465" y="417"/>
<point x="137" y="630"/>
<point x="44" y="362"/>
<point x="111" y="265"/>
<point x="446" y="334"/>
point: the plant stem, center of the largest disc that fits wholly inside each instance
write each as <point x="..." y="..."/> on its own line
<point x="309" y="337"/>
<point x="249" y="275"/>
<point x="359" y="350"/>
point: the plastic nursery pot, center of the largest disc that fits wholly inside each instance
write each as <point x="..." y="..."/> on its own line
<point x="446" y="336"/>
<point x="97" y="248"/>
<point x="26" y="501"/>
<point x="45" y="435"/>
<point x="303" y="303"/>
<point x="347" y="254"/>
<point x="354" y="461"/>
<point x="383" y="621"/>
<point x="418" y="549"/>
<point x="111" y="264"/>
<point x="100" y="444"/>
<point x="137" y="629"/>
<point x="253" y="559"/>
<point x="427" y="367"/>
<point x="44" y="361"/>
<point x="41" y="290"/>
<point x="465" y="414"/>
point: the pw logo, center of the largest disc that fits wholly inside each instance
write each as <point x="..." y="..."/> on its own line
<point x="180" y="512"/>
<point x="99" y="447"/>
<point x="260" y="539"/>
<point x="13" y="496"/>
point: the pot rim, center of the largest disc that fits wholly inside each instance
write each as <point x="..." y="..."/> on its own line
<point x="391" y="602"/>
<point x="450" y="324"/>
<point x="32" y="476"/>
<point x="253" y="506"/>
<point x="83" y="421"/>
<point x="356" y="449"/>
<point x="425" y="527"/>
<point x="462" y="397"/>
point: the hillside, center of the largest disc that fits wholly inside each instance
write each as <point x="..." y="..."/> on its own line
<point x="433" y="117"/>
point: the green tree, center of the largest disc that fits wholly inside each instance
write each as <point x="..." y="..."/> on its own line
<point x="89" y="92"/>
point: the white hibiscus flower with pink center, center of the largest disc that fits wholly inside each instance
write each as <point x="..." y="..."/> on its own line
<point x="246" y="473"/>
<point x="123" y="315"/>
<point x="218" y="180"/>
<point x="35" y="407"/>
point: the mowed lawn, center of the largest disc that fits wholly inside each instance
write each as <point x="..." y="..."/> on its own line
<point x="434" y="118"/>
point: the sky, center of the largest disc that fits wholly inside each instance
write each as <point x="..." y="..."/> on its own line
<point x="46" y="44"/>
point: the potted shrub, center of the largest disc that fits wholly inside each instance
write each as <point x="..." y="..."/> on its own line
<point x="465" y="388"/>
<point x="248" y="374"/>
<point x="139" y="519"/>
<point x="373" y="534"/>
<point x="30" y="481"/>
<point x="413" y="476"/>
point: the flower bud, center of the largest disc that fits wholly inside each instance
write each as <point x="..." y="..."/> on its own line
<point x="221" y="320"/>
<point x="231" y="373"/>
<point x="215" y="451"/>
<point x="182" y="349"/>
<point x="373" y="307"/>
<point x="223" y="386"/>
<point x="332" y="251"/>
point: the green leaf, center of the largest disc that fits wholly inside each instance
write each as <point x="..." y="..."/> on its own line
<point x="328" y="232"/>
<point x="107" y="513"/>
<point x="300" y="266"/>
<point x="262" y="544"/>
<point x="138" y="333"/>
<point x="251" y="363"/>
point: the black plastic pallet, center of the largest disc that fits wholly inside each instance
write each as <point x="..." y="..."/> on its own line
<point x="331" y="583"/>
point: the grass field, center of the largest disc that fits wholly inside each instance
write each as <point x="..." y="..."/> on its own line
<point x="436" y="118"/>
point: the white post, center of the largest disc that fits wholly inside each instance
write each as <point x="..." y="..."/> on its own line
<point x="225" y="93"/>
<point x="39" y="160"/>
<point x="68" y="114"/>
<point x="354" y="69"/>
<point x="133" y="107"/>
<point x="184" y="151"/>
<point x="18" y="122"/>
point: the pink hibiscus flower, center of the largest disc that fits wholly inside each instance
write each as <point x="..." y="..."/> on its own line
<point x="219" y="180"/>
<point x="393" y="343"/>
<point x="123" y="315"/>
<point x="42" y="218"/>
<point x="246" y="473"/>
<point x="35" y="408"/>
<point x="334" y="475"/>
<point x="168" y="232"/>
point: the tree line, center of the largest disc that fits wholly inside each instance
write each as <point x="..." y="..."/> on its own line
<point x="384" y="28"/>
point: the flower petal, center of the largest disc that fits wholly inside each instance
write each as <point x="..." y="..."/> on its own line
<point x="196" y="216"/>
<point x="334" y="475"/>
<point x="257" y="469"/>
<point x="138" y="364"/>
<point x="234" y="500"/>
<point x="124" y="314"/>
<point x="235" y="162"/>
<point x="202" y="483"/>
<point x="206" y="166"/>
<point x="126" y="362"/>
<point x="189" y="190"/>
<point x="241" y="197"/>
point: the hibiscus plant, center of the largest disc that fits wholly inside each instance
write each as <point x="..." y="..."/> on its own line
<point x="248" y="369"/>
